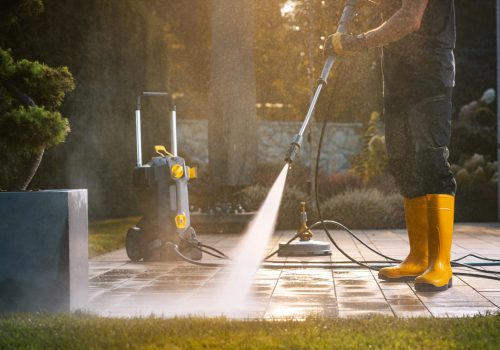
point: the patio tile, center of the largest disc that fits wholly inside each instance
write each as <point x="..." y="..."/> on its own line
<point x="118" y="287"/>
<point x="408" y="311"/>
<point x="405" y="302"/>
<point x="286" y="311"/>
<point x="375" y="304"/>
<point x="364" y="313"/>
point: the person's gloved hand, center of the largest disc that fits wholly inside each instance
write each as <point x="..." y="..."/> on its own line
<point x="344" y="44"/>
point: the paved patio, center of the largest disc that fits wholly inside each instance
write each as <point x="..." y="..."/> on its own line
<point x="119" y="287"/>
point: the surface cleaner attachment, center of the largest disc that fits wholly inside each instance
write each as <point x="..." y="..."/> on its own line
<point x="305" y="246"/>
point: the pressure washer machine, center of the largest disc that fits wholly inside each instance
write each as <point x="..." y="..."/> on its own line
<point x="162" y="191"/>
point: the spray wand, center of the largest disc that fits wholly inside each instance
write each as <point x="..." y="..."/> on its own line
<point x="345" y="20"/>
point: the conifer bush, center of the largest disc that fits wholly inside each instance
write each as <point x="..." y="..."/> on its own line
<point x="30" y="123"/>
<point x="365" y="209"/>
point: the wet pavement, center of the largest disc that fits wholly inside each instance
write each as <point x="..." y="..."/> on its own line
<point x="119" y="287"/>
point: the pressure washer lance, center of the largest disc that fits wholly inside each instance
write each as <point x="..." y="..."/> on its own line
<point x="345" y="20"/>
<point x="307" y="247"/>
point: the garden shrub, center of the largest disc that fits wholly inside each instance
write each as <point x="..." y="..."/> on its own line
<point x="475" y="129"/>
<point x="336" y="183"/>
<point x="27" y="131"/>
<point x="372" y="161"/>
<point x="471" y="138"/>
<point x="266" y="174"/>
<point x="357" y="208"/>
<point x="289" y="217"/>
<point x="40" y="129"/>
<point x="252" y="197"/>
<point x="365" y="209"/>
<point x="473" y="154"/>
<point x="384" y="183"/>
<point x="477" y="181"/>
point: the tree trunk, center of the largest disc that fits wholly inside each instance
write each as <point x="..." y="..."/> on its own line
<point x="232" y="131"/>
<point x="29" y="171"/>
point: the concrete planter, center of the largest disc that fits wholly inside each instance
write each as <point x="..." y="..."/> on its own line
<point x="43" y="251"/>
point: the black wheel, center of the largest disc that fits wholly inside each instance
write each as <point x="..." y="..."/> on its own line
<point x="133" y="244"/>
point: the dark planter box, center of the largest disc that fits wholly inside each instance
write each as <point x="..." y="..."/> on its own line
<point x="43" y="251"/>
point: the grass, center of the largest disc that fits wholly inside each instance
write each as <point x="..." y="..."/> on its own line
<point x="108" y="235"/>
<point x="82" y="331"/>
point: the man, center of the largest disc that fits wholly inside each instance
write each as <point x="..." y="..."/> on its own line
<point x="419" y="73"/>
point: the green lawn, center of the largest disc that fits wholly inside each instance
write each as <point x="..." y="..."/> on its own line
<point x="108" y="235"/>
<point x="89" y="332"/>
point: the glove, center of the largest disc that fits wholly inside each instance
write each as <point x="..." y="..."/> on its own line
<point x="344" y="44"/>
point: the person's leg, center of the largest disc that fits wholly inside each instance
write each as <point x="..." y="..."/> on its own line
<point x="401" y="148"/>
<point x="402" y="162"/>
<point x="430" y="122"/>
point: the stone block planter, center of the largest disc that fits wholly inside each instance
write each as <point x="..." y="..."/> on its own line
<point x="43" y="251"/>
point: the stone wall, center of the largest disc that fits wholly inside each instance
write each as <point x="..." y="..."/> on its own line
<point x="342" y="141"/>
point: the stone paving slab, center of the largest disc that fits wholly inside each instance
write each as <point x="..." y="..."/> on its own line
<point x="119" y="287"/>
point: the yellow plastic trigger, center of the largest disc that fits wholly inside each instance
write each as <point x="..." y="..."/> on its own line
<point x="162" y="151"/>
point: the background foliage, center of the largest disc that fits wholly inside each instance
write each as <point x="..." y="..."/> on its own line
<point x="116" y="49"/>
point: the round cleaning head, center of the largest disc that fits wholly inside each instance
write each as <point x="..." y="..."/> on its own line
<point x="305" y="248"/>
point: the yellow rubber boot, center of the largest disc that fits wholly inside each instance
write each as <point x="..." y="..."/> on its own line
<point x="416" y="261"/>
<point x="440" y="212"/>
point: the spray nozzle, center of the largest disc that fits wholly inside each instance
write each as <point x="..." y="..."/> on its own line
<point x="304" y="233"/>
<point x="293" y="149"/>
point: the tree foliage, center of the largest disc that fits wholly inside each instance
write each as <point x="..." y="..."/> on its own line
<point x="31" y="129"/>
<point x="27" y="131"/>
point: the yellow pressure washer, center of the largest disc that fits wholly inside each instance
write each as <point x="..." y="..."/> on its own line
<point x="162" y="191"/>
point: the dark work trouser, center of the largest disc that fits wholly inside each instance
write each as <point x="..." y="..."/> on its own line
<point x="417" y="136"/>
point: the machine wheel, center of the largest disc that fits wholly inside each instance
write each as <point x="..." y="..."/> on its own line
<point x="133" y="244"/>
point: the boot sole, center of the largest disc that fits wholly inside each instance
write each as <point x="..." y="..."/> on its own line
<point x="397" y="279"/>
<point x="426" y="287"/>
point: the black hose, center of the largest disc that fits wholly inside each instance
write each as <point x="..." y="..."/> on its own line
<point x="476" y="275"/>
<point x="477" y="257"/>
<point x="215" y="250"/>
<point x="457" y="264"/>
<point x="318" y="207"/>
<point x="302" y="265"/>
<point x="360" y="240"/>
<point x="200" y="247"/>
<point x="454" y="262"/>
<point x="277" y="250"/>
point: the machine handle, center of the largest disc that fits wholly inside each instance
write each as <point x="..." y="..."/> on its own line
<point x="149" y="93"/>
<point x="173" y="123"/>
<point x="171" y="105"/>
